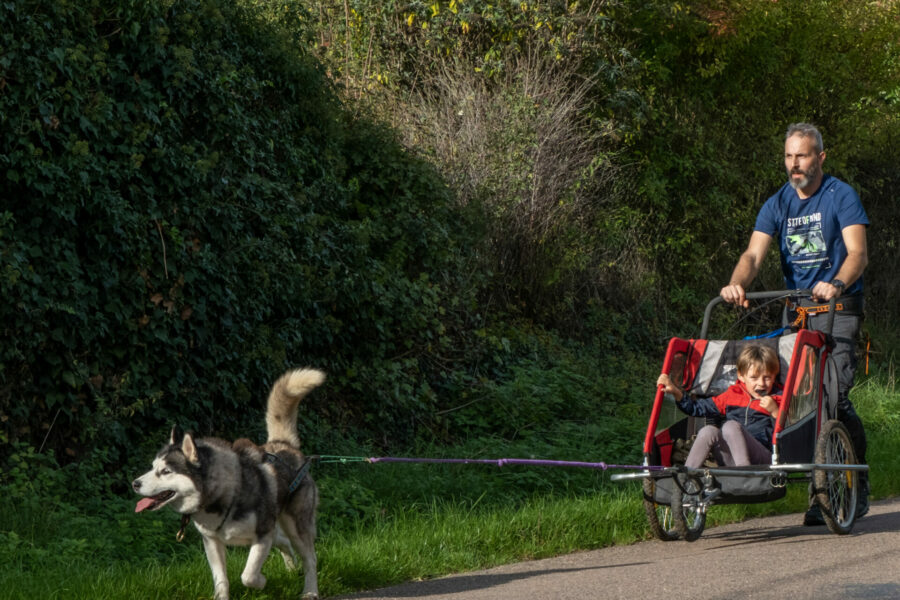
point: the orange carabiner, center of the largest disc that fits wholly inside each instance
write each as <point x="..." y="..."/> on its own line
<point x="804" y="311"/>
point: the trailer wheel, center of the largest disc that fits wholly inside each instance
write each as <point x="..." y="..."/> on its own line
<point x="659" y="515"/>
<point x="688" y="516"/>
<point x="836" y="491"/>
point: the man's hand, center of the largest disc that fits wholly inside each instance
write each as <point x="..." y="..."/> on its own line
<point x="824" y="291"/>
<point x="733" y="293"/>
<point x="746" y="269"/>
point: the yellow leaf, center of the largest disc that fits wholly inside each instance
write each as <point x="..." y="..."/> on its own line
<point x="410" y="19"/>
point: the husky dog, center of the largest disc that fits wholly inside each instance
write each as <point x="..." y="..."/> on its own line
<point x="242" y="494"/>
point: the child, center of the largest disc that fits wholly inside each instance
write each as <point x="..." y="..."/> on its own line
<point x="749" y="410"/>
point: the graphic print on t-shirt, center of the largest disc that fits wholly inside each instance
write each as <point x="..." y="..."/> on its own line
<point x="805" y="242"/>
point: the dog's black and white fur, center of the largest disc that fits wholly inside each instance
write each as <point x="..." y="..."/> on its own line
<point x="238" y="494"/>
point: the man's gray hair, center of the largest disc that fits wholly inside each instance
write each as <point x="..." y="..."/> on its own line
<point x="806" y="130"/>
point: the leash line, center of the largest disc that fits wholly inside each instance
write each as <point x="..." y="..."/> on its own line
<point x="335" y="458"/>
<point x="501" y="462"/>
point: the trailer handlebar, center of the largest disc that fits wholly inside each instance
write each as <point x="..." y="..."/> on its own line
<point x="829" y="323"/>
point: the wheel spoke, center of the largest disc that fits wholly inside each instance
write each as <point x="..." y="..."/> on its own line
<point x="666" y="519"/>
<point x="662" y="523"/>
<point x="688" y="515"/>
<point x="840" y="482"/>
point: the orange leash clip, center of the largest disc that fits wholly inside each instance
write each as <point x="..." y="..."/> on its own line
<point x="804" y="311"/>
<point x="868" y="349"/>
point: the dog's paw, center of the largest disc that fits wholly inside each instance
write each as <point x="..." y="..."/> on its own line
<point x="310" y="596"/>
<point x="257" y="582"/>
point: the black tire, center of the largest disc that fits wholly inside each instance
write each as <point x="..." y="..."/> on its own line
<point x="836" y="491"/>
<point x="688" y="517"/>
<point x="659" y="515"/>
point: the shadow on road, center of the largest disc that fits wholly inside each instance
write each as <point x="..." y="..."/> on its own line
<point x="460" y="584"/>
<point x="801" y="562"/>
<point x="883" y="522"/>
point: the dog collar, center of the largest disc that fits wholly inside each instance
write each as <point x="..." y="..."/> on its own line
<point x="185" y="519"/>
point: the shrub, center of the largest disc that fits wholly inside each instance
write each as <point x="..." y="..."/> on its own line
<point x="187" y="211"/>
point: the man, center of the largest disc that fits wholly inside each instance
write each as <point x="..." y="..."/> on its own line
<point x="821" y="229"/>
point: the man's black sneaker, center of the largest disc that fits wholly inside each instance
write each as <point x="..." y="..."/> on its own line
<point x="813" y="516"/>
<point x="862" y="501"/>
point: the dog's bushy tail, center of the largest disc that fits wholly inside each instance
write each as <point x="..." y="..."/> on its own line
<point x="281" y="411"/>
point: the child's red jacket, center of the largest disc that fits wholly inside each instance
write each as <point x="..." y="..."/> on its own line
<point x="736" y="404"/>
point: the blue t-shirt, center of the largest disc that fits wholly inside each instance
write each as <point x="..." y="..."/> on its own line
<point x="809" y="231"/>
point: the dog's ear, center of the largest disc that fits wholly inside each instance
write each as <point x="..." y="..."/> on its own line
<point x="189" y="449"/>
<point x="176" y="436"/>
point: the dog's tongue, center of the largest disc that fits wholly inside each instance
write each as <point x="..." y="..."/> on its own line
<point x="143" y="504"/>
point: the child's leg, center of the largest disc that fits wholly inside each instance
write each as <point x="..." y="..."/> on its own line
<point x="733" y="438"/>
<point x="744" y="448"/>
<point x="709" y="437"/>
<point x="759" y="454"/>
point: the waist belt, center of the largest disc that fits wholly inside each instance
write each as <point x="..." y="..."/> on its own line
<point x="851" y="305"/>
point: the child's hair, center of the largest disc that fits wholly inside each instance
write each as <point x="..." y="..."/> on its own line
<point x="760" y="356"/>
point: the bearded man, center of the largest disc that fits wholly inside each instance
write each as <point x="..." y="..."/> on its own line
<point x="821" y="229"/>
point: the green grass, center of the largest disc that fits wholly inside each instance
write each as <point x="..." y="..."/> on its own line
<point x="446" y="537"/>
<point x="878" y="403"/>
<point x="380" y="524"/>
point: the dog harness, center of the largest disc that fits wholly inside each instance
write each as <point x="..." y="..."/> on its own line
<point x="271" y="459"/>
<point x="301" y="472"/>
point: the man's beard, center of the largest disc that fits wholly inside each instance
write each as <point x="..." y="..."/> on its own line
<point x="808" y="175"/>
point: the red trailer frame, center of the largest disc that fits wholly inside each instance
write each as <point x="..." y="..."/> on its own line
<point x="809" y="443"/>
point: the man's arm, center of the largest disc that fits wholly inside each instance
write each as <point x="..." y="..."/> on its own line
<point x="852" y="267"/>
<point x="746" y="270"/>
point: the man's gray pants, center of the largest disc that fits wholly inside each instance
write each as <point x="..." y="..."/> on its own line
<point x="845" y="333"/>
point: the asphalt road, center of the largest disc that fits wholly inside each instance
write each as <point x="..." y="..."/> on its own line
<point x="765" y="558"/>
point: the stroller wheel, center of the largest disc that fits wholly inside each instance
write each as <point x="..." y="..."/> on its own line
<point x="659" y="515"/>
<point x="688" y="510"/>
<point x="836" y="491"/>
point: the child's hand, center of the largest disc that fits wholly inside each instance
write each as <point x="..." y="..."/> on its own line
<point x="768" y="403"/>
<point x="669" y="387"/>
